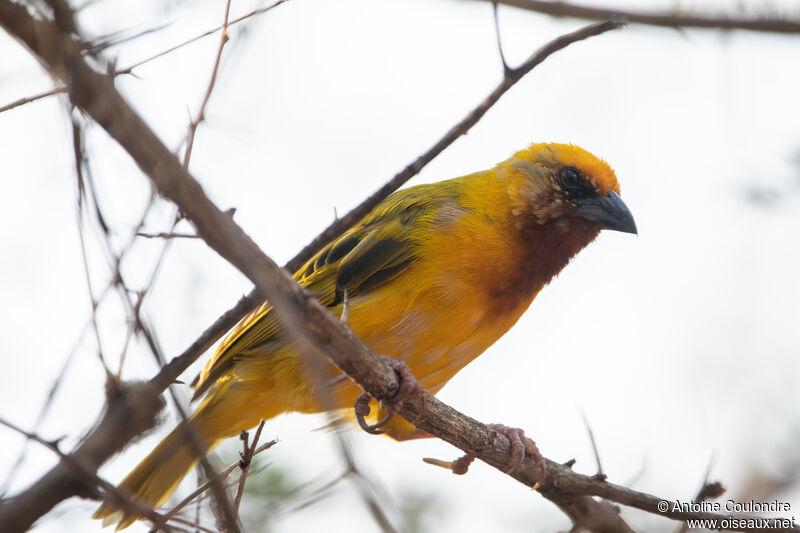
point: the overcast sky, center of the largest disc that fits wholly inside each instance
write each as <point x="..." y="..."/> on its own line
<point x="677" y="345"/>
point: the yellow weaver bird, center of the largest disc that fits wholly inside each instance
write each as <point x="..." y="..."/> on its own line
<point x="434" y="275"/>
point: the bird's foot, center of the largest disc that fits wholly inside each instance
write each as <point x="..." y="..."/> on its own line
<point x="459" y="467"/>
<point x="409" y="388"/>
<point x="520" y="446"/>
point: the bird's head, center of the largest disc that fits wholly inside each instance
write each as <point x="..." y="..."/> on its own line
<point x="564" y="186"/>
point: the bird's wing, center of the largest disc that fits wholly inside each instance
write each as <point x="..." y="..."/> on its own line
<point x="367" y="256"/>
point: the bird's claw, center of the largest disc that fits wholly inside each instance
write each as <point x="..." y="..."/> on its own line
<point x="361" y="408"/>
<point x="408" y="387"/>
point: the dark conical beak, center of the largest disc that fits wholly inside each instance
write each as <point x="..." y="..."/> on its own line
<point x="609" y="211"/>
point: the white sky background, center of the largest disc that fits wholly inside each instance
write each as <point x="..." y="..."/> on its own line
<point x="678" y="344"/>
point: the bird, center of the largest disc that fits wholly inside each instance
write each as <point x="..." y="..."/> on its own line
<point x="431" y="277"/>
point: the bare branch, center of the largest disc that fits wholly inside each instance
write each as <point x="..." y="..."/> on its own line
<point x="130" y="410"/>
<point x="201" y="113"/>
<point x="499" y="40"/>
<point x="669" y="20"/>
<point x="29" y="99"/>
<point x="168" y="235"/>
<point x="221" y="476"/>
<point x="90" y="478"/>
<point x="259" y="11"/>
<point x="246" y="456"/>
<point x="129" y="69"/>
<point x="77" y="149"/>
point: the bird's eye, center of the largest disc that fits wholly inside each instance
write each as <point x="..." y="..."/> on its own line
<point x="570" y="179"/>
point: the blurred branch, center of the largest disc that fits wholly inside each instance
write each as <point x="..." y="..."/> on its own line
<point x="221" y="476"/>
<point x="96" y="48"/>
<point x="669" y="20"/>
<point x="212" y="31"/>
<point x="201" y="113"/>
<point x="708" y="491"/>
<point x="167" y="235"/>
<point x="129" y="411"/>
<point x="224" y="509"/>
<point x="29" y="99"/>
<point x="91" y="481"/>
<point x="246" y="457"/>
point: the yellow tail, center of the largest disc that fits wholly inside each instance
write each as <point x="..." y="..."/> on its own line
<point x="158" y="475"/>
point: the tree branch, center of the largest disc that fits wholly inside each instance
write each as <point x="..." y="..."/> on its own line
<point x="130" y="410"/>
<point x="668" y="20"/>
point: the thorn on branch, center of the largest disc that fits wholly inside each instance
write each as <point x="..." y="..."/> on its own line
<point x="594" y="447"/>
<point x="710" y="491"/>
<point x="244" y="461"/>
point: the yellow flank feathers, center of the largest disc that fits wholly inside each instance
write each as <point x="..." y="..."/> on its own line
<point x="434" y="276"/>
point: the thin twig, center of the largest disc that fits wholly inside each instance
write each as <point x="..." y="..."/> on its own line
<point x="218" y="478"/>
<point x="35" y="97"/>
<point x="201" y="113"/>
<point x="129" y="69"/>
<point x="45" y="409"/>
<point x="226" y="518"/>
<point x="499" y="40"/>
<point x="77" y="149"/>
<point x="244" y="464"/>
<point x="259" y="11"/>
<point x="168" y="235"/>
<point x="73" y="351"/>
<point x="92" y="480"/>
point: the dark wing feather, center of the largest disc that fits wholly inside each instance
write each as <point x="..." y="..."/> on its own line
<point x="364" y="258"/>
